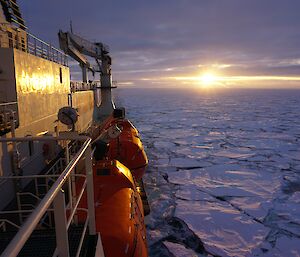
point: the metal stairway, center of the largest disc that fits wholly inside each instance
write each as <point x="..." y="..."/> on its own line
<point x="42" y="243"/>
<point x="55" y="200"/>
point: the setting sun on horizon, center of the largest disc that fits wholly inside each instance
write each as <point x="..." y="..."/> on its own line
<point x="213" y="79"/>
<point x="208" y="79"/>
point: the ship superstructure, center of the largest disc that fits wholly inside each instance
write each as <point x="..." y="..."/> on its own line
<point x="71" y="163"/>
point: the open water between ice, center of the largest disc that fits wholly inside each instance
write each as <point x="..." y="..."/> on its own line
<point x="224" y="171"/>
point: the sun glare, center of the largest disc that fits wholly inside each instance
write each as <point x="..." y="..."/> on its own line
<point x="208" y="79"/>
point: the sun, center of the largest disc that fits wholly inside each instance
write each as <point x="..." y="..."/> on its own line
<point x="208" y="79"/>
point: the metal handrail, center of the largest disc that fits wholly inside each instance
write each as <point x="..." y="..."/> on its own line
<point x="32" y="45"/>
<point x="76" y="204"/>
<point x="9" y="222"/>
<point x="83" y="86"/>
<point x="82" y="236"/>
<point x="55" y="254"/>
<point x="36" y="197"/>
<point x="26" y="230"/>
<point x="45" y="43"/>
<point x="43" y="49"/>
<point x="8" y="103"/>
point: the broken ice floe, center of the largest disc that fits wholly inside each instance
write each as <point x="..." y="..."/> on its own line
<point x="225" y="165"/>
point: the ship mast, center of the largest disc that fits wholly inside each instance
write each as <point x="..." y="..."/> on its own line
<point x="78" y="48"/>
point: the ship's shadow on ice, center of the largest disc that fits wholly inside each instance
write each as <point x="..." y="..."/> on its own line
<point x="163" y="227"/>
<point x="178" y="233"/>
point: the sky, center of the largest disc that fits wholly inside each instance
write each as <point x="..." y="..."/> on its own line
<point x="225" y="43"/>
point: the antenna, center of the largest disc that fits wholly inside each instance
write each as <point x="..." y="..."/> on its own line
<point x="71" y="26"/>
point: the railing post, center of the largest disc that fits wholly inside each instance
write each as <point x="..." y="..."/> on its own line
<point x="35" y="46"/>
<point x="67" y="153"/>
<point x="62" y="241"/>
<point x="90" y="198"/>
<point x="49" y="51"/>
<point x="90" y="190"/>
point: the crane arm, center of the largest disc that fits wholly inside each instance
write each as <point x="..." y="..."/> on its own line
<point x="78" y="48"/>
<point x="69" y="48"/>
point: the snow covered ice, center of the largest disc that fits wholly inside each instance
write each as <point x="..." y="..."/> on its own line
<point x="224" y="171"/>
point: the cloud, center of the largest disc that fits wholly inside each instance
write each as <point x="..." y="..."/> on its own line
<point x="164" y="36"/>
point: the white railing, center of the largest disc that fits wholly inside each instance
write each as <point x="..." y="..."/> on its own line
<point x="41" y="185"/>
<point x="56" y="197"/>
<point x="44" y="50"/>
<point x="29" y="43"/>
<point x="25" y="207"/>
<point x="82" y="86"/>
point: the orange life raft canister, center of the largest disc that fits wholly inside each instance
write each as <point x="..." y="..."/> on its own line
<point x="118" y="211"/>
<point x="127" y="147"/>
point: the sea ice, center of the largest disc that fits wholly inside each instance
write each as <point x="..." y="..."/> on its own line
<point x="226" y="165"/>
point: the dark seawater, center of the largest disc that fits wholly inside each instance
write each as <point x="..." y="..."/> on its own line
<point x="224" y="171"/>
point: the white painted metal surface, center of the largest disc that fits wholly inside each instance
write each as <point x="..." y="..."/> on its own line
<point x="56" y="196"/>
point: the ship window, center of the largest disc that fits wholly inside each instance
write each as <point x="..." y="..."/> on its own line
<point x="10" y="39"/>
<point x="23" y="44"/>
<point x="60" y="75"/>
<point x="16" y="42"/>
<point x="70" y="102"/>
